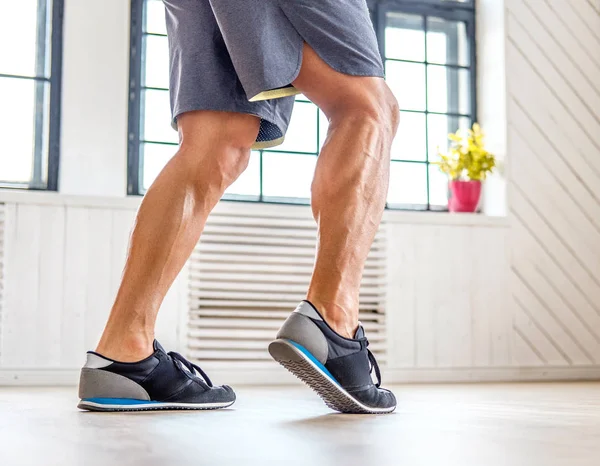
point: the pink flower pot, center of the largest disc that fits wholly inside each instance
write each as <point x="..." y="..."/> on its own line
<point x="464" y="196"/>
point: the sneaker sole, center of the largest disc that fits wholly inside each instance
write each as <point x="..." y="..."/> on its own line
<point x="301" y="363"/>
<point x="116" y="404"/>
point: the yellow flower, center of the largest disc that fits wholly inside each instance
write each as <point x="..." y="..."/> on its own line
<point x="466" y="158"/>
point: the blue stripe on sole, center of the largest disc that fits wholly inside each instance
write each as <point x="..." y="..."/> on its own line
<point x="118" y="401"/>
<point x="313" y="360"/>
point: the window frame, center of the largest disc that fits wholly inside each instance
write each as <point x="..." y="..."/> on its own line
<point x="134" y="142"/>
<point x="446" y="9"/>
<point x="54" y="50"/>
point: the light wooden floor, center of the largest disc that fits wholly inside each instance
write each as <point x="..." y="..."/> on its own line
<point x="482" y="425"/>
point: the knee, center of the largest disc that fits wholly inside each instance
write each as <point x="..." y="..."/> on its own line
<point x="376" y="107"/>
<point x="384" y="106"/>
<point x="229" y="163"/>
<point x="393" y="110"/>
<point x="215" y="147"/>
<point x="214" y="167"/>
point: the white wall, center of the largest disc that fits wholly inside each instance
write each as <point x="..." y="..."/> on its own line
<point x="553" y="77"/>
<point x="448" y="295"/>
<point x="62" y="263"/>
<point x="94" y="98"/>
<point x="491" y="92"/>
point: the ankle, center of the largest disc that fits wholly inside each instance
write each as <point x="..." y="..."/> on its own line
<point x="343" y="327"/>
<point x="341" y="318"/>
<point x="130" y="347"/>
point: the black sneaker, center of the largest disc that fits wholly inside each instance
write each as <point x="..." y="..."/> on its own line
<point x="161" y="381"/>
<point x="337" y="368"/>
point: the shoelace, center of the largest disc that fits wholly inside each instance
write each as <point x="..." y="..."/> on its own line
<point x="374" y="365"/>
<point x="193" y="368"/>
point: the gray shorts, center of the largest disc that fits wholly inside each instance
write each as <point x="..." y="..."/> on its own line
<point x="242" y="55"/>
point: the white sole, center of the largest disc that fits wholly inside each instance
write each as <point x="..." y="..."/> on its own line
<point x="153" y="406"/>
<point x="334" y="395"/>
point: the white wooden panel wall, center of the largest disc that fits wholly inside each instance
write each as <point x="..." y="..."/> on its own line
<point x="64" y="257"/>
<point x="62" y="268"/>
<point x="448" y="297"/>
<point x="553" y="78"/>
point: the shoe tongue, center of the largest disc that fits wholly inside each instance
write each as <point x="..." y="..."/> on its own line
<point x="158" y="347"/>
<point x="360" y="332"/>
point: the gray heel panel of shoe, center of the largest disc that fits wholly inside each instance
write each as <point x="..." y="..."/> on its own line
<point x="98" y="383"/>
<point x="305" y="332"/>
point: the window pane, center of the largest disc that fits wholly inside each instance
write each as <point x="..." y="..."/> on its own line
<point x="447" y="42"/>
<point x="448" y="90"/>
<point x="407" y="82"/>
<point x="404" y="37"/>
<point x="155" y="157"/>
<point x="301" y="135"/>
<point x="18" y="36"/>
<point x="156" y="62"/>
<point x="248" y="184"/>
<point x="409" y="143"/>
<point x="157" y="117"/>
<point x="288" y="175"/>
<point x="438" y="187"/>
<point x="323" y="128"/>
<point x="155" y="17"/>
<point x="408" y="183"/>
<point x="439" y="128"/>
<point x="17" y="129"/>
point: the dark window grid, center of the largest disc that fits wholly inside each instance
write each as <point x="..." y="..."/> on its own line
<point x="48" y="79"/>
<point x="136" y="130"/>
<point x="429" y="63"/>
<point x="428" y="5"/>
<point x="430" y="112"/>
<point x="261" y="197"/>
<point x="426" y="9"/>
<point x="273" y="151"/>
<point x="281" y="199"/>
<point x="450" y="11"/>
<point x="428" y="183"/>
<point x="30" y="78"/>
<point x="36" y="179"/>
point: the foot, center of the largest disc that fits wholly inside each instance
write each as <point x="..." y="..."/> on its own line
<point x="160" y="381"/>
<point x="337" y="368"/>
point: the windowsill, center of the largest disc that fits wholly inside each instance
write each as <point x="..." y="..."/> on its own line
<point x="445" y="218"/>
<point x="57" y="199"/>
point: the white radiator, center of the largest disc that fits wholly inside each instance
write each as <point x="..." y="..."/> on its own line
<point x="249" y="272"/>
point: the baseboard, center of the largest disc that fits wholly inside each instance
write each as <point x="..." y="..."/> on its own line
<point x="492" y="374"/>
<point x="277" y="376"/>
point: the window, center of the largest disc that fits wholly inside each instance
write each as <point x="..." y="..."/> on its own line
<point x="30" y="68"/>
<point x="428" y="51"/>
<point x="429" y="56"/>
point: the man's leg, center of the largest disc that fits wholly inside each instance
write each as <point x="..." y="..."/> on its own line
<point x="322" y="342"/>
<point x="214" y="151"/>
<point x="350" y="184"/>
